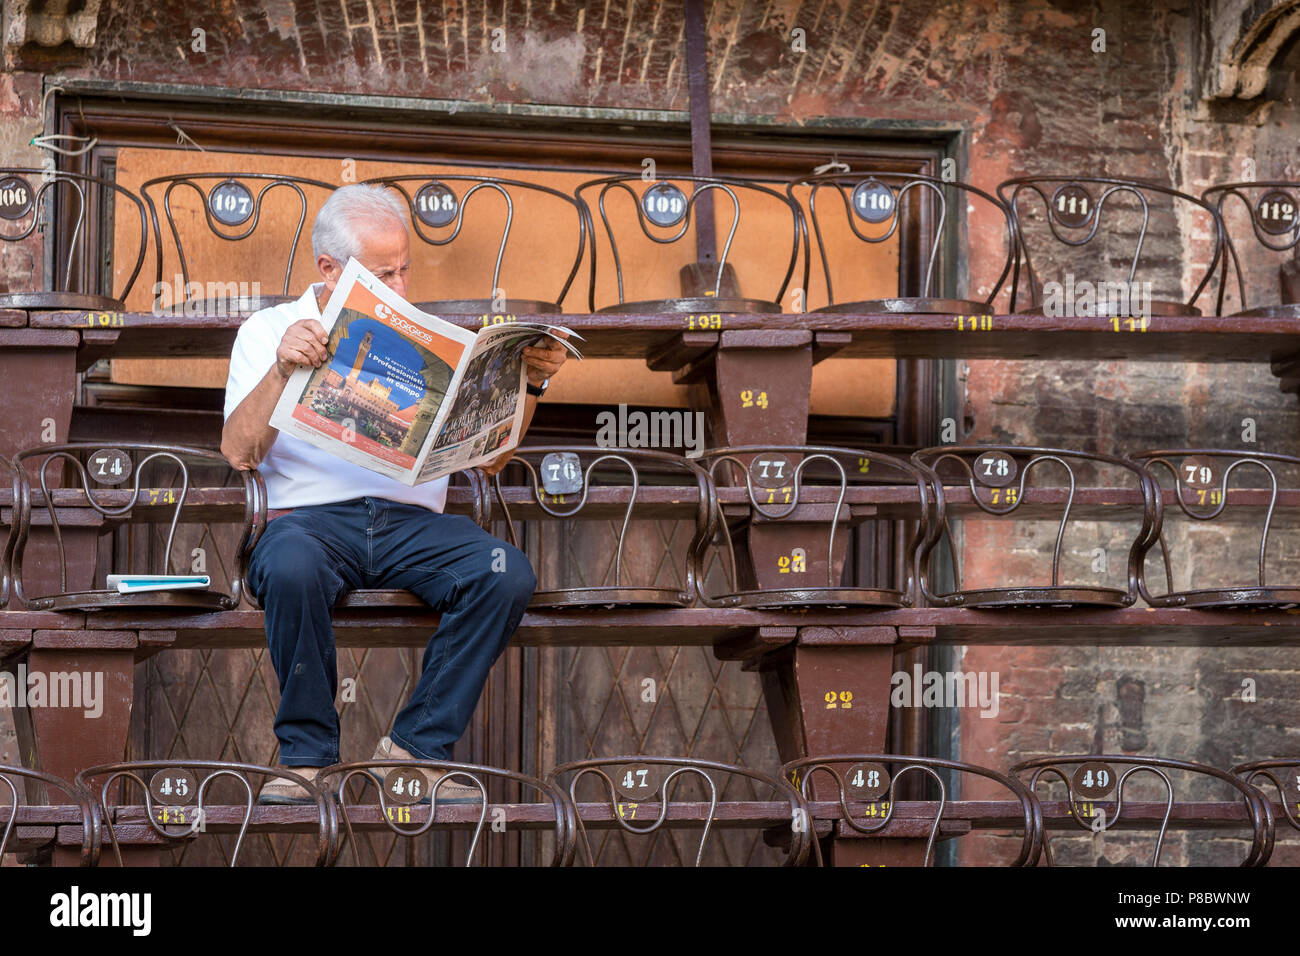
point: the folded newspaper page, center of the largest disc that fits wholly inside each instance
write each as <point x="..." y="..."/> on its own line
<point x="406" y="394"/>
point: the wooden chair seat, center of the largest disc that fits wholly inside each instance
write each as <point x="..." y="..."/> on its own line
<point x="610" y="597"/>
<point x="796" y="598"/>
<point x="917" y="305"/>
<point x="1044" y="597"/>
<point x="198" y="601"/>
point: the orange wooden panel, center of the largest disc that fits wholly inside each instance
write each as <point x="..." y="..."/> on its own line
<point x="537" y="259"/>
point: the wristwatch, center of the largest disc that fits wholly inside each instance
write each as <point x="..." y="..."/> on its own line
<point x="537" y="390"/>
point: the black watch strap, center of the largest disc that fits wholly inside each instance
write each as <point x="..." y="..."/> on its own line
<point x="537" y="389"/>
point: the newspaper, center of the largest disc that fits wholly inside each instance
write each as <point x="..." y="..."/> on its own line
<point x="406" y="394"/>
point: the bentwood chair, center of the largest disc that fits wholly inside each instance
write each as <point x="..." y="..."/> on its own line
<point x="1284" y="774"/>
<point x="604" y="489"/>
<point x="905" y="208"/>
<point x="1095" y="796"/>
<point x="84" y="805"/>
<point x="181" y="489"/>
<point x="439" y="207"/>
<point x="801" y="502"/>
<point x="1274" y="217"/>
<point x="1200" y="490"/>
<point x="634" y="211"/>
<point x="865" y="786"/>
<point x="406" y="808"/>
<point x="638" y="794"/>
<point x="31" y="199"/>
<point x="1054" y="215"/>
<point x="996" y="484"/>
<point x="179" y="804"/>
<point x="11" y="531"/>
<point x="233" y="206"/>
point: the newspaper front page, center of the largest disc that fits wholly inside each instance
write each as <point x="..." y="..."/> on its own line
<point x="404" y="393"/>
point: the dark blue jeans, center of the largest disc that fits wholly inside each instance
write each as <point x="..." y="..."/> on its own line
<point x="307" y="559"/>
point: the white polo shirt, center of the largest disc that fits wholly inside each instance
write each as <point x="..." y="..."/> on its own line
<point x="296" y="473"/>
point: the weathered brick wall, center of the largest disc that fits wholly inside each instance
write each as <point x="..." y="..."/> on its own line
<point x="1022" y="79"/>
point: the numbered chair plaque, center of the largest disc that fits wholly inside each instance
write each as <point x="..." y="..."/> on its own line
<point x="413" y="797"/>
<point x="167" y="506"/>
<point x="1164" y="792"/>
<point x="233" y="240"/>
<point x="1103" y="247"/>
<point x="1196" y="481"/>
<point x="80" y="206"/>
<point x="784" y="519"/>
<point x="469" y="222"/>
<point x="23" y="787"/>
<point x="1060" y="489"/>
<point x="1270" y="212"/>
<point x="190" y="798"/>
<point x="920" y="214"/>
<point x="615" y="527"/>
<point x="706" y="259"/>
<point x="860" y="792"/>
<point x="672" y="797"/>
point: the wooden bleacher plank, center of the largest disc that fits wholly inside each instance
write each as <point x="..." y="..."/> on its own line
<point x="50" y="337"/>
<point x="979" y="814"/>
<point x="201" y="505"/>
<point x="1014" y="337"/>
<point x="13" y="641"/>
<point x="911" y="819"/>
<point x="892" y="502"/>
<point x="1187" y="815"/>
<point x="1124" y="627"/>
<point x="93" y="640"/>
<point x="29" y="621"/>
<point x="56" y="815"/>
<point x="388" y="619"/>
<point x="403" y="626"/>
<point x="24" y="839"/>
<point x="393" y="619"/>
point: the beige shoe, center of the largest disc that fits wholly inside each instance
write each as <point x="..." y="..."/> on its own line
<point x="280" y="791"/>
<point x="453" y="791"/>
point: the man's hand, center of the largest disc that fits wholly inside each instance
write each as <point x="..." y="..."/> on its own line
<point x="303" y="344"/>
<point x="496" y="464"/>
<point x="543" y="362"/>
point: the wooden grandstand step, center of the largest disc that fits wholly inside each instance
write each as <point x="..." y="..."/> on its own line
<point x="663" y="502"/>
<point x="397" y="619"/>
<point x="890" y="335"/>
<point x="912" y="819"/>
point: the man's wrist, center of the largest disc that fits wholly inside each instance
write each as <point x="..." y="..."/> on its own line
<point x="537" y="390"/>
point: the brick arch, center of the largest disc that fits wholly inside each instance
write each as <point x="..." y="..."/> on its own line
<point x="1245" y="37"/>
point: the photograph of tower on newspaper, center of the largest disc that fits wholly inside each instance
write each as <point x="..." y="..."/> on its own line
<point x="376" y="386"/>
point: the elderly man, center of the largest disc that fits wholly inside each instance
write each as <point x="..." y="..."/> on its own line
<point x="337" y="526"/>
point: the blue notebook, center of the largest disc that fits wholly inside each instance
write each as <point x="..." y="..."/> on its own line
<point x="131" y="583"/>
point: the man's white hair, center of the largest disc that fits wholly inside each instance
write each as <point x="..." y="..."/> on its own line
<point x="348" y="214"/>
